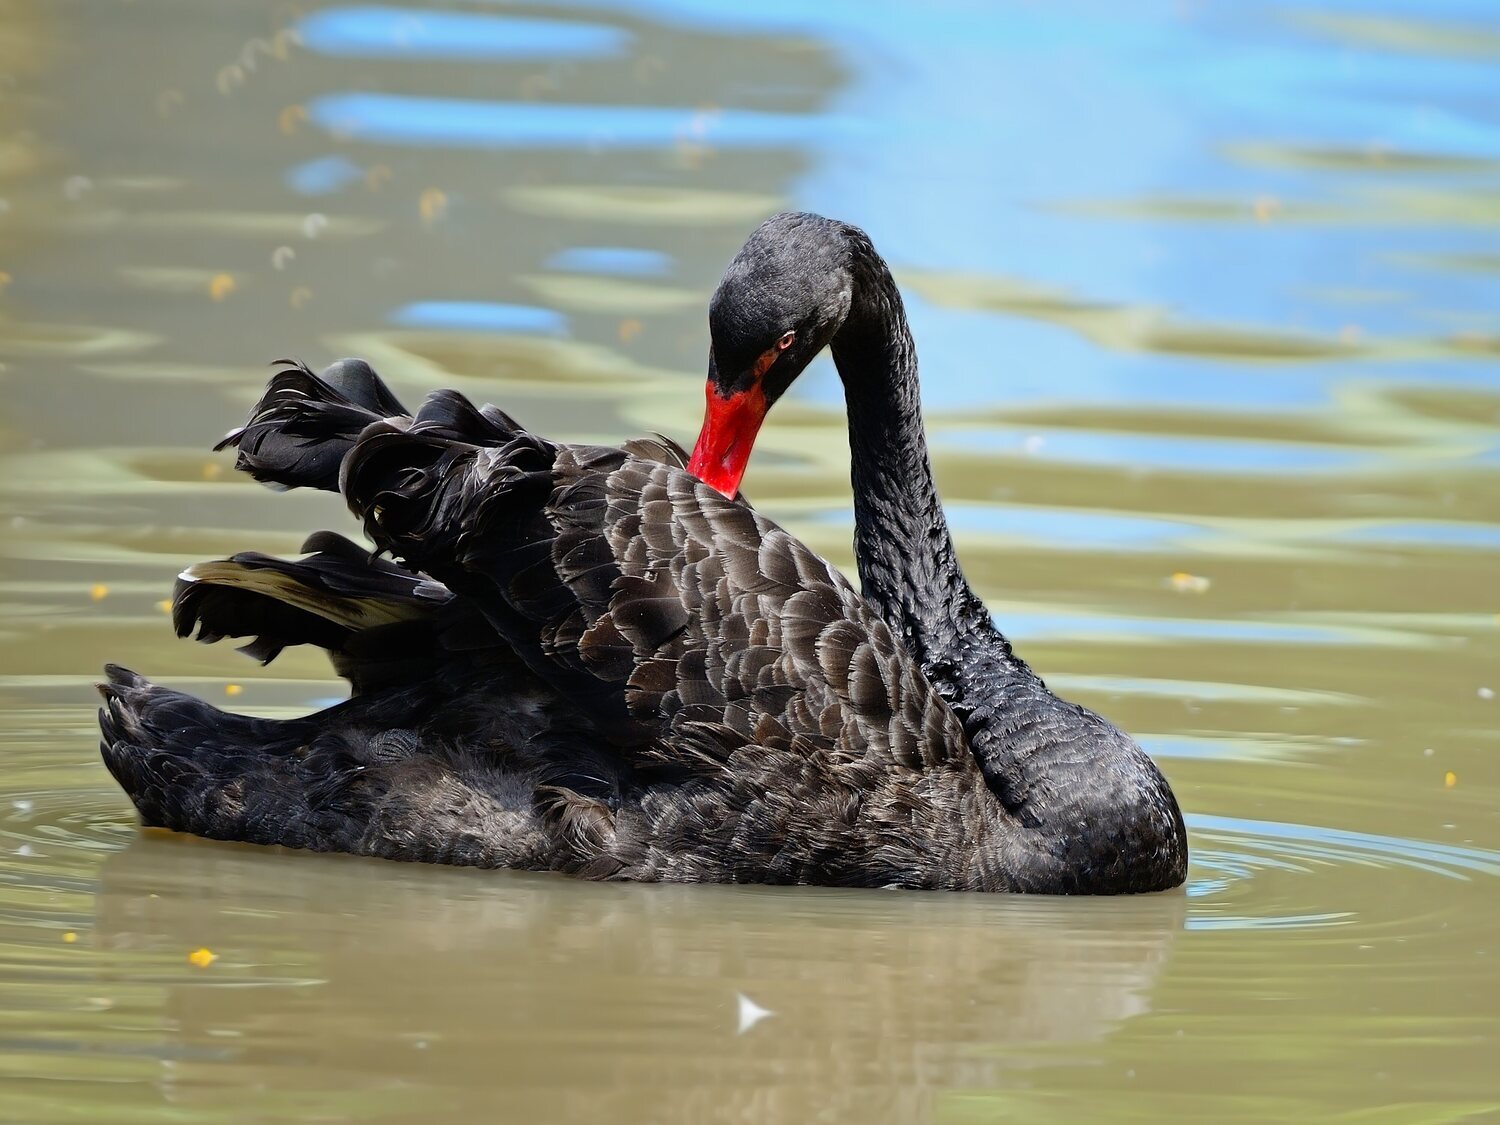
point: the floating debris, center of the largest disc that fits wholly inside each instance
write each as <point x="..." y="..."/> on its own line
<point x="300" y="296"/>
<point x="281" y="257"/>
<point x="750" y="1013"/>
<point x="165" y="605"/>
<point x="313" y="224"/>
<point x="1265" y="208"/>
<point x="1185" y="583"/>
<point x="629" y="329"/>
<point x="220" y="286"/>
<point x="432" y="204"/>
<point x="5" y="279"/>
<point x="1450" y="779"/>
<point x="1486" y="693"/>
<point x="202" y="957"/>
<point x="291" y="117"/>
<point x="232" y="689"/>
<point x="69" y="937"/>
<point x="98" y="591"/>
<point x="377" y="176"/>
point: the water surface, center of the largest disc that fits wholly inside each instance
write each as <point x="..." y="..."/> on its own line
<point x="1205" y="300"/>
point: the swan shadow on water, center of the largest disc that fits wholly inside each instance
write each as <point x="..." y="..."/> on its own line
<point x="547" y="997"/>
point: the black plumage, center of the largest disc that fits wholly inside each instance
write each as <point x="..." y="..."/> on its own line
<point x="588" y="660"/>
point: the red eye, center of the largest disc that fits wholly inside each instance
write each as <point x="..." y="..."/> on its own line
<point x="785" y="342"/>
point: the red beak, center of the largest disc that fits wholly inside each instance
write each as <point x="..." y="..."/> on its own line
<point x="728" y="435"/>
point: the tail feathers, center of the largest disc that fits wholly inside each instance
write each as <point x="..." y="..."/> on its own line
<point x="304" y="424"/>
<point x="317" y="783"/>
<point x="184" y="764"/>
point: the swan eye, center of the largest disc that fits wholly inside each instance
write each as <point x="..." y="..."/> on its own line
<point x="785" y="342"/>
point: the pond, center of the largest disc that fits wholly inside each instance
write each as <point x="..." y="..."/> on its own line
<point x="1204" y="293"/>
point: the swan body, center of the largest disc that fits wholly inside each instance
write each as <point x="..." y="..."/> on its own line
<point x="592" y="660"/>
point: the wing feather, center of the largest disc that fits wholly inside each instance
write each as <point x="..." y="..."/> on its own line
<point x="692" y="627"/>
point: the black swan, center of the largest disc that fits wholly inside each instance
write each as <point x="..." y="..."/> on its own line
<point x="592" y="660"/>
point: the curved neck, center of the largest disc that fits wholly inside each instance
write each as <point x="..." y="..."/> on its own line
<point x="1052" y="765"/>
<point x="907" y="565"/>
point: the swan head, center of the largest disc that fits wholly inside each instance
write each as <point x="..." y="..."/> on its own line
<point x="783" y="298"/>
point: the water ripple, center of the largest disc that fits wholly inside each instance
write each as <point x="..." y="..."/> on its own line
<point x="1231" y="853"/>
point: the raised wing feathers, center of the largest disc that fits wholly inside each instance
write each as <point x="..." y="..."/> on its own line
<point x="686" y="623"/>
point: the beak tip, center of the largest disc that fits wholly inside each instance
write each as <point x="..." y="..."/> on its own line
<point x="730" y="425"/>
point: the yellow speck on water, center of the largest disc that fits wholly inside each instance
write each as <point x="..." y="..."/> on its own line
<point x="203" y="957"/>
<point x="98" y="591"/>
<point x="300" y="296"/>
<point x="1450" y="779"/>
<point x="1186" y="583"/>
<point x="232" y="689"/>
<point x="165" y="605"/>
<point x="220" y="286"/>
<point x="629" y="330"/>
<point x="70" y="937"/>
<point x="431" y="204"/>
<point x="289" y="118"/>
<point x="1265" y="208"/>
<point x="212" y="470"/>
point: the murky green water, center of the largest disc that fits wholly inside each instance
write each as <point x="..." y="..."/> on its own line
<point x="1206" y="300"/>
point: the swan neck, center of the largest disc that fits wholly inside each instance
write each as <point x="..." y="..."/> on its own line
<point x="907" y="564"/>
